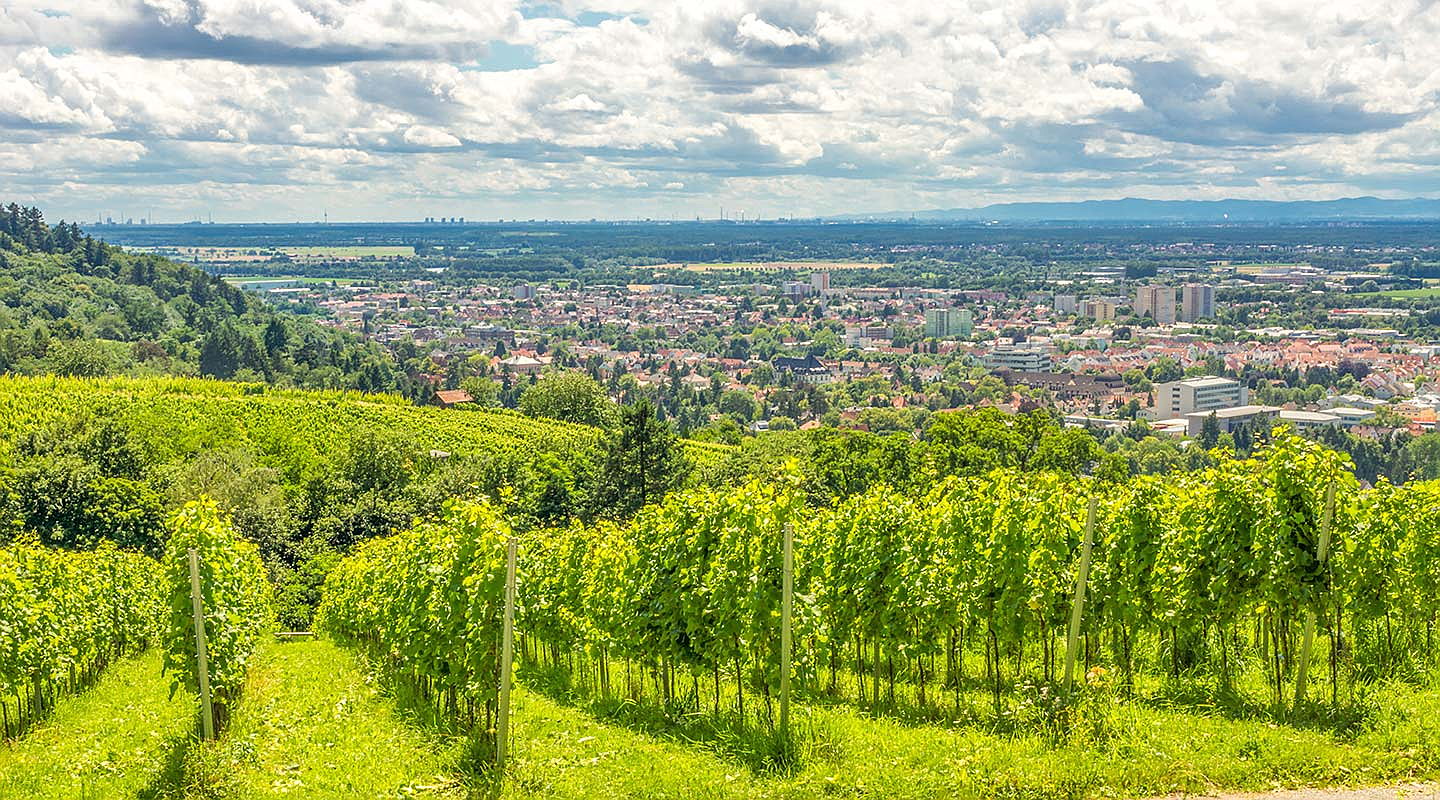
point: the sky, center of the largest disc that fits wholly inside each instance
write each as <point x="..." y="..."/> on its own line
<point x="286" y="110"/>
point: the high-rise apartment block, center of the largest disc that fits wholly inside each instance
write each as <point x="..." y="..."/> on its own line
<point x="1197" y="302"/>
<point x="941" y="323"/>
<point x="1098" y="310"/>
<point x="1156" y="302"/>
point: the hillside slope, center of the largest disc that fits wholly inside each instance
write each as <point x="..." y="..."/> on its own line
<point x="305" y="474"/>
<point x="73" y="305"/>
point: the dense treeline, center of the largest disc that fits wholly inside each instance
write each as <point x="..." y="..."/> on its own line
<point x="72" y="305"/>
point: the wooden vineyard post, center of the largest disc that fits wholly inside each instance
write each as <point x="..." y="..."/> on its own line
<point x="507" y="654"/>
<point x="1078" y="607"/>
<point x="787" y="600"/>
<point x="1302" y="670"/>
<point x="202" y="665"/>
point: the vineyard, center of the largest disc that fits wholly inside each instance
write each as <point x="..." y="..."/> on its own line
<point x="426" y="606"/>
<point x="64" y="616"/>
<point x="174" y="417"/>
<point x="919" y="604"/>
<point x="1270" y="592"/>
<point x="233" y="598"/>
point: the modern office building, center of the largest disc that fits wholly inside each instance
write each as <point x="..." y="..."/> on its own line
<point x="1177" y="399"/>
<point x="1156" y="302"/>
<point x="1017" y="357"/>
<point x="1197" y="302"/>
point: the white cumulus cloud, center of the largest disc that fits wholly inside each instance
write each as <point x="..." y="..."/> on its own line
<point x="816" y="106"/>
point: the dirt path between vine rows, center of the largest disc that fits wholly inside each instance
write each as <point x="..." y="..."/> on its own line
<point x="1406" y="791"/>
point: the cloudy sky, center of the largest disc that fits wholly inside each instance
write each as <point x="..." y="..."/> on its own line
<point x="401" y="109"/>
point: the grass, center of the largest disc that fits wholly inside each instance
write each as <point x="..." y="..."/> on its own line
<point x="1167" y="743"/>
<point x="313" y="724"/>
<point x="350" y="251"/>
<point x="116" y="740"/>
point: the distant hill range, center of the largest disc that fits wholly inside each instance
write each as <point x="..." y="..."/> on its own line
<point x="1133" y="209"/>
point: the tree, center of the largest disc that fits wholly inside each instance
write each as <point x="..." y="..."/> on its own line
<point x="971" y="442"/>
<point x="643" y="461"/>
<point x="1423" y="455"/>
<point x="569" y="396"/>
<point x="1073" y="450"/>
<point x="484" y="391"/>
<point x="738" y="404"/>
<point x="70" y="503"/>
<point x="221" y="351"/>
<point x="82" y="358"/>
<point x="1210" y="431"/>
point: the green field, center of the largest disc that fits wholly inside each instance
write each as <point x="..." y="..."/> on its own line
<point x="1425" y="293"/>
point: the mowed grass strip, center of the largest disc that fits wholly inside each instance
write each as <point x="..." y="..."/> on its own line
<point x="312" y="724"/>
<point x="114" y="741"/>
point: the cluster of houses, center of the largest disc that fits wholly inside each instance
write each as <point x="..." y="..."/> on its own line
<point x="1046" y="342"/>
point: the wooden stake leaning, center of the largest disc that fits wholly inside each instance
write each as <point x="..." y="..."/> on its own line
<point x="787" y="601"/>
<point x="507" y="655"/>
<point x="1302" y="670"/>
<point x="202" y="665"/>
<point x="1077" y="608"/>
